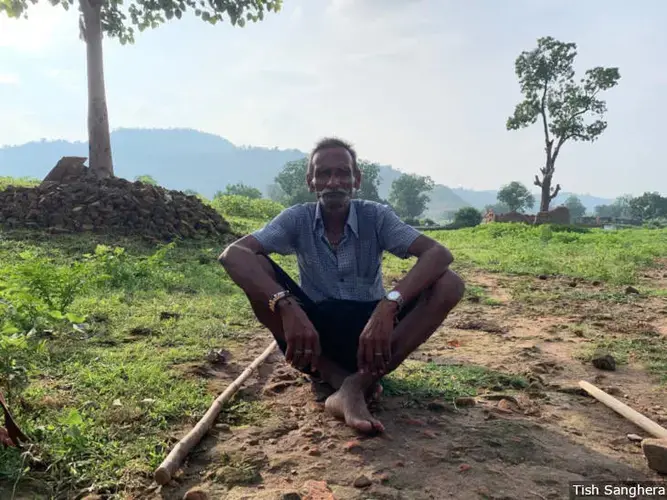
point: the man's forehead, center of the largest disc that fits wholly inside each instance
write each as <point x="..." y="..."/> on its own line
<point x="334" y="154"/>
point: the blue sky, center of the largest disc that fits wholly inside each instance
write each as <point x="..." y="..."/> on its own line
<point x="423" y="85"/>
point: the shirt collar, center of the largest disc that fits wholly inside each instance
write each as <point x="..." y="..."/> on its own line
<point x="351" y="222"/>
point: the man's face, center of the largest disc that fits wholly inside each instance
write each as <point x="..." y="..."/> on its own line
<point x="333" y="178"/>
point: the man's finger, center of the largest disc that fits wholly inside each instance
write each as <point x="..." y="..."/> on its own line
<point x="298" y="350"/>
<point x="378" y="357"/>
<point x="361" y="355"/>
<point x="387" y="354"/>
<point x="308" y="349"/>
<point x="289" y="352"/>
<point x="369" y="354"/>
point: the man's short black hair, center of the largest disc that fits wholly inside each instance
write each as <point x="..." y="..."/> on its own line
<point x="333" y="142"/>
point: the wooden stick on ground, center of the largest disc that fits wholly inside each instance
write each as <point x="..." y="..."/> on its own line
<point x="632" y="415"/>
<point x="180" y="451"/>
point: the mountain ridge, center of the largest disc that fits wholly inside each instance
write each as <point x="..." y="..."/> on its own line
<point x="185" y="158"/>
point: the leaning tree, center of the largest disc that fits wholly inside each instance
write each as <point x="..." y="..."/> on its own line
<point x="546" y="78"/>
<point x="119" y="20"/>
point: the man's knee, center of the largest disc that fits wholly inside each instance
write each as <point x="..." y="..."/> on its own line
<point x="447" y="291"/>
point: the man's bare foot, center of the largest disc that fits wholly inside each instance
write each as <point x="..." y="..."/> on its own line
<point x="349" y="404"/>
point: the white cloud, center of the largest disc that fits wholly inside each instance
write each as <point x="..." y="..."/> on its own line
<point x="9" y="79"/>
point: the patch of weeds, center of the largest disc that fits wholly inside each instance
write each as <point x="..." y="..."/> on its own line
<point x="237" y="470"/>
<point x="649" y="350"/>
<point x="242" y="412"/>
<point x="428" y="380"/>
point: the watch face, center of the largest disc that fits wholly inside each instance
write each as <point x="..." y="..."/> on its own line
<point x="393" y="295"/>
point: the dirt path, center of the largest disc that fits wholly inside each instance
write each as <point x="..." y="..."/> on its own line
<point x="527" y="446"/>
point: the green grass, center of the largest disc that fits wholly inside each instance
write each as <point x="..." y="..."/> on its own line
<point x="108" y="393"/>
<point x="612" y="256"/>
<point x="649" y="351"/>
<point x="420" y="380"/>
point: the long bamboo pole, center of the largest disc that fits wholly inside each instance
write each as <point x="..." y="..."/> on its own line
<point x="170" y="464"/>
<point x="622" y="409"/>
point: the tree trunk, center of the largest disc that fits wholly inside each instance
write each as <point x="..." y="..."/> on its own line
<point x="546" y="193"/>
<point x="99" y="139"/>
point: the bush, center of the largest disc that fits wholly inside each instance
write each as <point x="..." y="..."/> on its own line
<point x="242" y="206"/>
<point x="466" y="217"/>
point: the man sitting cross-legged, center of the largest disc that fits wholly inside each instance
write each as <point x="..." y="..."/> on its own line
<point x="339" y="322"/>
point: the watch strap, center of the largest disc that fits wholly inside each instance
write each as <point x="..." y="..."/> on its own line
<point x="276" y="297"/>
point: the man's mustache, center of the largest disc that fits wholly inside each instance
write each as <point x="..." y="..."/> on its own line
<point x="340" y="192"/>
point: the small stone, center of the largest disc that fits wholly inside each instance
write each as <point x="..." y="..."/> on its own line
<point x="352" y="446"/>
<point x="655" y="451"/>
<point x="634" y="438"/>
<point x="196" y="493"/>
<point x="317" y="490"/>
<point x="436" y="406"/>
<point x="542" y="277"/>
<point x="253" y="442"/>
<point x="116" y="402"/>
<point x="314" y="452"/>
<point x="465" y="401"/>
<point x="631" y="289"/>
<point x="429" y="433"/>
<point x="292" y="495"/>
<point x="222" y="427"/>
<point x="362" y="482"/>
<point x="604" y="361"/>
<point x="464" y="467"/>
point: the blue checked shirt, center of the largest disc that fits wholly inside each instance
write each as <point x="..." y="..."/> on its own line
<point x="353" y="271"/>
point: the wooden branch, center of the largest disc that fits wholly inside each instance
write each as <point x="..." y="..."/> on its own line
<point x="555" y="193"/>
<point x="622" y="409"/>
<point x="537" y="182"/>
<point x="170" y="464"/>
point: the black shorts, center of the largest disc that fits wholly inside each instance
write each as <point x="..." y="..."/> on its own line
<point x="338" y="322"/>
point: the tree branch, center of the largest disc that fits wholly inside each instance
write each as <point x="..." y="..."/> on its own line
<point x="543" y="112"/>
<point x="555" y="193"/>
<point x="537" y="182"/>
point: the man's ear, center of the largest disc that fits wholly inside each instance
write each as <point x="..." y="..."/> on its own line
<point x="310" y="182"/>
<point x="357" y="179"/>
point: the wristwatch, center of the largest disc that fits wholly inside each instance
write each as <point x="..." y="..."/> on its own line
<point x="276" y="297"/>
<point x="395" y="296"/>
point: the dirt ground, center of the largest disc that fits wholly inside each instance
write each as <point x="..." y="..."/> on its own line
<point x="527" y="446"/>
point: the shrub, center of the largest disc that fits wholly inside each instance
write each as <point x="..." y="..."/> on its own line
<point x="242" y="206"/>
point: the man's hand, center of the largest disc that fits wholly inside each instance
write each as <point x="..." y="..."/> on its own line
<point x="374" y="354"/>
<point x="303" y="341"/>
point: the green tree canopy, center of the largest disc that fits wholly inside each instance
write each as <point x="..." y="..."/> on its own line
<point x="620" y="208"/>
<point x="241" y="189"/>
<point x="551" y="94"/>
<point x="516" y="197"/>
<point x="649" y="206"/>
<point x="118" y="19"/>
<point x="576" y="208"/>
<point x="408" y="195"/>
<point x="467" y="217"/>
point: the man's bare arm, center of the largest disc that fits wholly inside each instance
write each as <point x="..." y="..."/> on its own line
<point x="242" y="262"/>
<point x="433" y="260"/>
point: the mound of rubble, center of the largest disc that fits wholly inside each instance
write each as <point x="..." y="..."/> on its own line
<point x="72" y="199"/>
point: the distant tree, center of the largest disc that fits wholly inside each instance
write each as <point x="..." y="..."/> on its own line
<point x="546" y="77"/>
<point x="649" y="206"/>
<point x="241" y="189"/>
<point x="291" y="189"/>
<point x="191" y="192"/>
<point x="620" y="208"/>
<point x="468" y="217"/>
<point x="275" y="192"/>
<point x="516" y="197"/>
<point x="576" y="208"/>
<point x="408" y="195"/>
<point x="146" y="179"/>
<point x="98" y="17"/>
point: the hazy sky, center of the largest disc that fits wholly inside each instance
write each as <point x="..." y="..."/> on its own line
<point x="423" y="85"/>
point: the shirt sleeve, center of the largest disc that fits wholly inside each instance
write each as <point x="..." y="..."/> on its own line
<point x="280" y="234"/>
<point x="395" y="235"/>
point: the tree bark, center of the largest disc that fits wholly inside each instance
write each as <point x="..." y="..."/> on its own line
<point x="99" y="138"/>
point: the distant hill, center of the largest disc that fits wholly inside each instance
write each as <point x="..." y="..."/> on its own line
<point x="188" y="159"/>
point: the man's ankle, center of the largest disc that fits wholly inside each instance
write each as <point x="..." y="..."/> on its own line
<point x="359" y="382"/>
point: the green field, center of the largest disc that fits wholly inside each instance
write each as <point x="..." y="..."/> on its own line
<point x="99" y="383"/>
